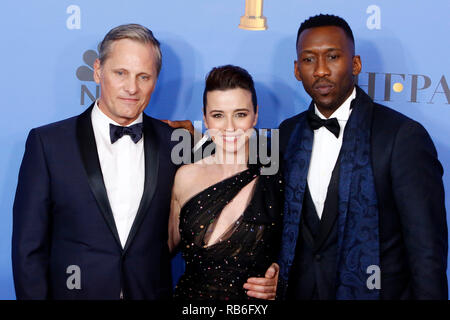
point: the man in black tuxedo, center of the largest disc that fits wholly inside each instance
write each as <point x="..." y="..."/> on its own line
<point x="364" y="213"/>
<point x="93" y="196"/>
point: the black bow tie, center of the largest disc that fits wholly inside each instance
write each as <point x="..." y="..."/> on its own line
<point x="331" y="124"/>
<point x="117" y="132"/>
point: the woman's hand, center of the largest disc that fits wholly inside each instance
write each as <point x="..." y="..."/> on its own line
<point x="264" y="288"/>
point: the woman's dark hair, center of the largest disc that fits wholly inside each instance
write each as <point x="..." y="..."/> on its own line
<point x="229" y="77"/>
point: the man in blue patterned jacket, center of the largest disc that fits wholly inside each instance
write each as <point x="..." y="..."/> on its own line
<point x="364" y="213"/>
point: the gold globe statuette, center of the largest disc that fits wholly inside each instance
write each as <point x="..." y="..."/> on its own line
<point x="253" y="18"/>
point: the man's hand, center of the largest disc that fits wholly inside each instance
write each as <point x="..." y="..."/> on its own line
<point x="185" y="124"/>
<point x="264" y="288"/>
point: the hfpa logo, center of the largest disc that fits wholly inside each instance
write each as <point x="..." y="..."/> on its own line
<point x="86" y="73"/>
<point x="414" y="88"/>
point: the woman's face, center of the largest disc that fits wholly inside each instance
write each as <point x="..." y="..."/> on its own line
<point x="230" y="118"/>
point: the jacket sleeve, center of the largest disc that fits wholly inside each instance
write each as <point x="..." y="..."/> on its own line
<point x="419" y="195"/>
<point x="31" y="223"/>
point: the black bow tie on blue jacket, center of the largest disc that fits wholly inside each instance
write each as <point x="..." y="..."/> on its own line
<point x="117" y="132"/>
<point x="331" y="124"/>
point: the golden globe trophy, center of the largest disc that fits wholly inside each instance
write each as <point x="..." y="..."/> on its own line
<point x="253" y="18"/>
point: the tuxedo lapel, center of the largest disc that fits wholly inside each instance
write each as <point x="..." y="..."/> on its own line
<point x="358" y="126"/>
<point x="297" y="158"/>
<point x="89" y="157"/>
<point x="151" y="151"/>
<point x="358" y="221"/>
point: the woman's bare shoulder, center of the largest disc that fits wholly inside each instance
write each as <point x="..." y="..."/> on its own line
<point x="190" y="178"/>
<point x="190" y="170"/>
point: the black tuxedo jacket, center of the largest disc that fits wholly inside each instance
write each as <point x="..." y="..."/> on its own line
<point x="62" y="218"/>
<point x="411" y="204"/>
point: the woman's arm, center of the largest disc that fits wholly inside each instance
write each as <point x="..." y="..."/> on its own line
<point x="174" y="218"/>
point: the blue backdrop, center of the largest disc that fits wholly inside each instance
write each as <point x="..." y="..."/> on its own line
<point x="48" y="48"/>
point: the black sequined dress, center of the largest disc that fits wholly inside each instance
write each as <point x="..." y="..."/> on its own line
<point x="218" y="271"/>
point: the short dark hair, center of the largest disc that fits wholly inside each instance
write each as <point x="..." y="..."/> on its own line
<point x="134" y="32"/>
<point x="324" y="20"/>
<point x="229" y="77"/>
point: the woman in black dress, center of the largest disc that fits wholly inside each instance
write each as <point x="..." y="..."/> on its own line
<point x="225" y="216"/>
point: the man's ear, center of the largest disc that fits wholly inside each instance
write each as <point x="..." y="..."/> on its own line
<point x="97" y="71"/>
<point x="296" y="71"/>
<point x="357" y="65"/>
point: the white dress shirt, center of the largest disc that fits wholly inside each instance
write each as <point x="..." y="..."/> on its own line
<point x="123" y="169"/>
<point x="325" y="151"/>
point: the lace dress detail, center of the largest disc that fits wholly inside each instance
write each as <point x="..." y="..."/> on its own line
<point x="219" y="270"/>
